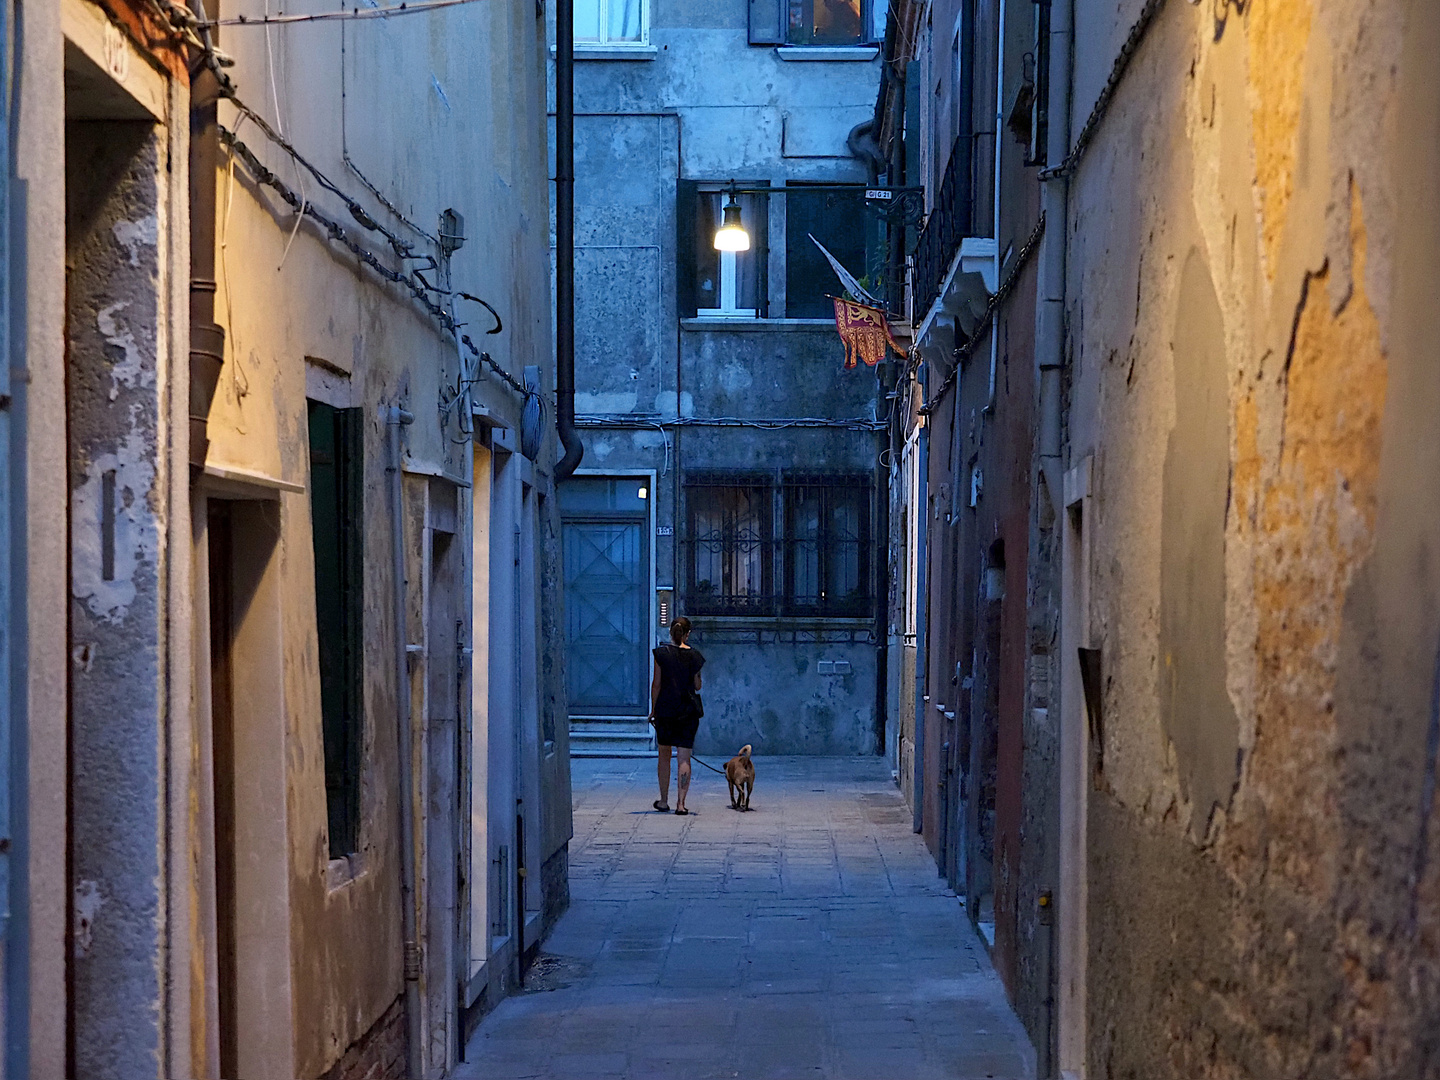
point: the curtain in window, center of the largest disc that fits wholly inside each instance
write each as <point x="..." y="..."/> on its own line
<point x="728" y="542"/>
<point x="624" y="20"/>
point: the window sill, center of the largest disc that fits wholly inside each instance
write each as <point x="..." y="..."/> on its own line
<point x="612" y="52"/>
<point x="857" y="53"/>
<point x="780" y="622"/>
<point x="752" y="326"/>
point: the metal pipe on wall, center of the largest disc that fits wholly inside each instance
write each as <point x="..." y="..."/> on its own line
<point x="207" y="339"/>
<point x="1065" y="1036"/>
<point x="565" y="240"/>
<point x="394" y="418"/>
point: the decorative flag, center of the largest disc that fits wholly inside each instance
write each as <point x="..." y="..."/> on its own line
<point x="846" y="278"/>
<point x="864" y="331"/>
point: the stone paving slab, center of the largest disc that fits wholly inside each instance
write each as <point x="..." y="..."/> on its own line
<point x="809" y="938"/>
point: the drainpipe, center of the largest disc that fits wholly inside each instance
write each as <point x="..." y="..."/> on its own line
<point x="565" y="239"/>
<point x="207" y="339"/>
<point x="1050" y="356"/>
<point x="995" y="197"/>
<point x="394" y="418"/>
<point x="1050" y="312"/>
<point x="922" y="592"/>
<point x="862" y="144"/>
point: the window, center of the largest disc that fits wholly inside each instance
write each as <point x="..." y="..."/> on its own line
<point x="717" y="284"/>
<point x="827" y="535"/>
<point x="840" y="221"/>
<point x="828" y="23"/>
<point x="729" y="529"/>
<point x="729" y="283"/>
<point x="336" y="463"/>
<point x="612" y="22"/>
<point x="815" y="563"/>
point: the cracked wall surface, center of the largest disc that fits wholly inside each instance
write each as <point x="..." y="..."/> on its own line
<point x="1252" y="275"/>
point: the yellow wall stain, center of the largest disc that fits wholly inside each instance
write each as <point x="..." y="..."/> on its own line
<point x="1316" y="526"/>
<point x="1277" y="33"/>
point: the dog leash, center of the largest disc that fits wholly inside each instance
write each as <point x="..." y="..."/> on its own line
<point x="708" y="765"/>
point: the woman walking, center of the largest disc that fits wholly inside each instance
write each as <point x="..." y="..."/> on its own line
<point x="675" y="710"/>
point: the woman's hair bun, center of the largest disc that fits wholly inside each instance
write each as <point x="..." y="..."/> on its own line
<point x="679" y="629"/>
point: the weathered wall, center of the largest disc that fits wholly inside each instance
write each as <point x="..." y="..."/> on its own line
<point x="1252" y="272"/>
<point x="708" y="106"/>
<point x="438" y="110"/>
<point x="41" y="468"/>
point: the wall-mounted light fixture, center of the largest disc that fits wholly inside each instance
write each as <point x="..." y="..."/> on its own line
<point x="731" y="236"/>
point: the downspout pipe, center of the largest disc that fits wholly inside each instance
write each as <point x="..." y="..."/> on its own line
<point x="395" y="418"/>
<point x="207" y="338"/>
<point x="1050" y="311"/>
<point x="863" y="144"/>
<point x="565" y="240"/>
<point x="1060" y="1053"/>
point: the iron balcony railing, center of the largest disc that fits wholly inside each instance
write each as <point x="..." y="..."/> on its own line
<point x="962" y="208"/>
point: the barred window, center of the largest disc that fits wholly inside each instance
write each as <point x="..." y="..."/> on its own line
<point x="827" y="534"/>
<point x="729" y="530"/>
<point x="797" y="548"/>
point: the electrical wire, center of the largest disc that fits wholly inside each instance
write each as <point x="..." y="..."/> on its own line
<point x="627" y="420"/>
<point x="196" y="32"/>
<point x="345" y="14"/>
<point x="336" y="232"/>
<point x="964" y="352"/>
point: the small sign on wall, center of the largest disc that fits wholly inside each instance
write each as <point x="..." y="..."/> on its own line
<point x="664" y="530"/>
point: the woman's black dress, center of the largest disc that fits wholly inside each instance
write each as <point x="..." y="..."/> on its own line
<point x="676" y="720"/>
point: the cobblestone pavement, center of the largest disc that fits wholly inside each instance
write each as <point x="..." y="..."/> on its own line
<point x="807" y="938"/>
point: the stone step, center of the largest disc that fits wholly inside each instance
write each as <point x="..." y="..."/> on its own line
<point x="621" y="737"/>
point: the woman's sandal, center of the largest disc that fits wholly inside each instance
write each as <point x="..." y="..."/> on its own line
<point x="660" y="806"/>
<point x="682" y="813"/>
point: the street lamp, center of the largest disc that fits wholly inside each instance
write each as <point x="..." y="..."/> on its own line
<point x="731" y="236"/>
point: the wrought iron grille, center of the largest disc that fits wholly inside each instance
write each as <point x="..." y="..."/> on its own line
<point x="961" y="209"/>
<point x="797" y="547"/>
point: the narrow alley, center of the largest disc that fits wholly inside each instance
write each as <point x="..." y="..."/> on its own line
<point x="1014" y="420"/>
<point x="808" y="938"/>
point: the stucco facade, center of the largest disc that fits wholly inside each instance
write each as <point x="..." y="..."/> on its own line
<point x="668" y="395"/>
<point x="229" y="380"/>
<point x="1205" y="424"/>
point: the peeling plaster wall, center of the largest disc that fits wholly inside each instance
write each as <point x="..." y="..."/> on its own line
<point x="1252" y="269"/>
<point x="39" y="148"/>
<point x="439" y="110"/>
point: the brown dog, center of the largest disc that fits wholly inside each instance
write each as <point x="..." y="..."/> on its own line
<point x="740" y="778"/>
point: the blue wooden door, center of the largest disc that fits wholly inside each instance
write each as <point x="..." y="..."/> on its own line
<point x="606" y="588"/>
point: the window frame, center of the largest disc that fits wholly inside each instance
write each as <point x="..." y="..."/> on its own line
<point x="697" y="603"/>
<point x="604" y="42"/>
<point x="728" y="267"/>
<point x="768" y="24"/>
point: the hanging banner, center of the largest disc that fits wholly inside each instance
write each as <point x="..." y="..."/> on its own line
<point x="865" y="332"/>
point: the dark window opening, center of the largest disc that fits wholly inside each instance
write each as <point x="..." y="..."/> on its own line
<point x="825" y="22"/>
<point x="336" y="477"/>
<point x="839" y="220"/>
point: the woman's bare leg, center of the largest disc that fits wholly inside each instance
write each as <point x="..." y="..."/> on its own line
<point x="682" y="786"/>
<point x="662" y="772"/>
